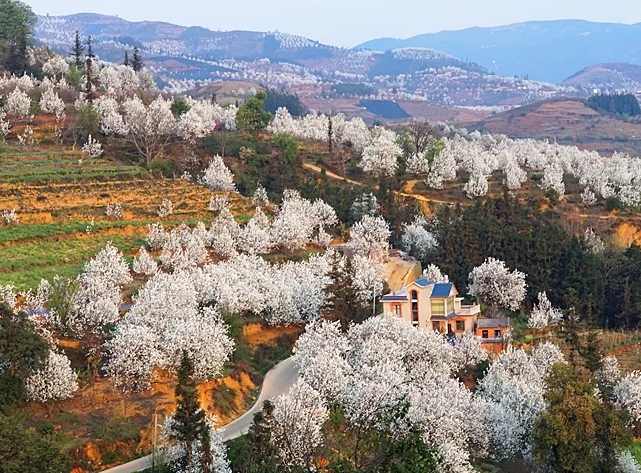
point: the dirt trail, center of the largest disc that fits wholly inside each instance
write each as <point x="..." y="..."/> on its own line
<point x="406" y="192"/>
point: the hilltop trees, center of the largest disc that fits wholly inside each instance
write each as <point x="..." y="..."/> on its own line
<point x="16" y="35"/>
<point x="252" y="115"/>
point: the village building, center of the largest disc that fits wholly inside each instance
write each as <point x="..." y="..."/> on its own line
<point x="430" y="305"/>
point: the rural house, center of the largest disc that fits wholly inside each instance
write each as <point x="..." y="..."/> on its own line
<point x="437" y="306"/>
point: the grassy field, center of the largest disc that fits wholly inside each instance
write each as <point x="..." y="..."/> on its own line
<point x="61" y="203"/>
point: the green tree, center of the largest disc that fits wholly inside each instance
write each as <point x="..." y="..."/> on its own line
<point x="30" y="450"/>
<point x="136" y="61"/>
<point x="17" y="21"/>
<point x="22" y="351"/>
<point x="257" y="455"/>
<point x="189" y="421"/>
<point x="577" y="433"/>
<point x="252" y="115"/>
<point x="340" y="302"/>
<point x="78" y="52"/>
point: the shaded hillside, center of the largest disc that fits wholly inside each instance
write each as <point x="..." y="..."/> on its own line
<point x="113" y="35"/>
<point x="608" y="77"/>
<point x="569" y="122"/>
<point x="543" y="50"/>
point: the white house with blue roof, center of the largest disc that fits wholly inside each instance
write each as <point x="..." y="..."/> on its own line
<point x="437" y="306"/>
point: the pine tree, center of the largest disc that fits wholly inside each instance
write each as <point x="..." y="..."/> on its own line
<point x="136" y="62"/>
<point x="340" y="303"/>
<point x="126" y="62"/>
<point x="78" y="51"/>
<point x="262" y="455"/>
<point x="189" y="420"/>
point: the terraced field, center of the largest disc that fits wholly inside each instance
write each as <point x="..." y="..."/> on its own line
<point x="61" y="201"/>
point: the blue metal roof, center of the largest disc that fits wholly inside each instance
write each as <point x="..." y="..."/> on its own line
<point x="394" y="298"/>
<point x="442" y="289"/>
<point x="423" y="282"/>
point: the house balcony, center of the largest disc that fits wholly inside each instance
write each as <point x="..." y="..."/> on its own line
<point x="468" y="310"/>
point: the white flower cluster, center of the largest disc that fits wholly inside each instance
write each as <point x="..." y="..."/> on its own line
<point x="417" y="240"/>
<point x="496" y="285"/>
<point x="218" y="177"/>
<point x="513" y="390"/>
<point x="51" y="103"/>
<point x="164" y="321"/>
<point x="55" y="67"/>
<point x="9" y="217"/>
<point x="370" y="238"/>
<point x="354" y="132"/>
<point x="543" y="314"/>
<point x="114" y="211"/>
<point x="480" y="156"/>
<point x="381" y="364"/>
<point x="55" y="381"/>
<point x="203" y="118"/>
<point x="92" y="148"/>
<point x="18" y="103"/>
<point x="96" y="302"/>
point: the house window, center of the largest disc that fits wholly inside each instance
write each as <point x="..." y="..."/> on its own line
<point x="497" y="334"/>
<point x="438" y="307"/>
<point x="485" y="334"/>
<point x="460" y="325"/>
<point x="414" y="308"/>
<point x="397" y="310"/>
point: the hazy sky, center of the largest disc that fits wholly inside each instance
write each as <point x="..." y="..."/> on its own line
<point x="348" y="22"/>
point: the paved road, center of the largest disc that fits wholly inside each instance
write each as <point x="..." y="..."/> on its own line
<point x="276" y="382"/>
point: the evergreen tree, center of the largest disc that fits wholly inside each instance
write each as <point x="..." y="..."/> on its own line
<point x="261" y="454"/>
<point x="17" y="21"/>
<point x="252" y="115"/>
<point x="78" y="51"/>
<point x="340" y="303"/>
<point x="189" y="421"/>
<point x="577" y="433"/>
<point x="136" y="61"/>
<point x="126" y="61"/>
<point x="22" y="351"/>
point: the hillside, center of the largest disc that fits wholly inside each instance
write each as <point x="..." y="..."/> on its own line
<point x="608" y="77"/>
<point x="567" y="121"/>
<point x="186" y="58"/>
<point x="542" y="50"/>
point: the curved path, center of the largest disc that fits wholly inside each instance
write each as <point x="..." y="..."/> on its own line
<point x="276" y="382"/>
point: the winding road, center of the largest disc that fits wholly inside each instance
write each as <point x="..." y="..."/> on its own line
<point x="276" y="382"/>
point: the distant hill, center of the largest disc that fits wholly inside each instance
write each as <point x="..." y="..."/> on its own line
<point x="187" y="58"/>
<point x="608" y="78"/>
<point x="567" y="121"/>
<point x="114" y="34"/>
<point x="549" y="51"/>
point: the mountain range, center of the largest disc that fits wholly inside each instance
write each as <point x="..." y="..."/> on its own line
<point x="549" y="51"/>
<point x="473" y="67"/>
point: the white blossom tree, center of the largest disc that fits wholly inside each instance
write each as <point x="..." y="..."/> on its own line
<point x="417" y="240"/>
<point x="54" y="381"/>
<point x="297" y="425"/>
<point x="380" y="156"/>
<point x="148" y="128"/>
<point x="218" y="177"/>
<point x="18" y="103"/>
<point x="543" y="313"/>
<point x="144" y="263"/>
<point x="370" y="237"/>
<point x="494" y="284"/>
